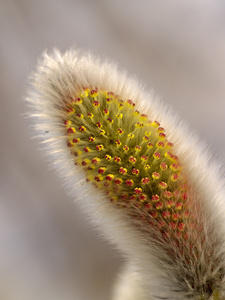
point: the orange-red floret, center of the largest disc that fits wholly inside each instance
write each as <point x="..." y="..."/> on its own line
<point x="167" y="194"/>
<point x="120" y="130"/>
<point x="143" y="197"/>
<point x="154" y="214"/>
<point x="155" y="198"/>
<point x="108" y="157"/>
<point x="76" y="140"/>
<point x="150" y="145"/>
<point x="129" y="182"/>
<point x="82" y="128"/>
<point x="155" y="124"/>
<point x="131" y="136"/>
<point x="90" y="115"/>
<point x="87" y="149"/>
<point x="166" y="214"/>
<point x="184" y="196"/>
<point x="155" y="175"/>
<point x="157" y="155"/>
<point x="145" y="180"/>
<point x="169" y="203"/>
<point x="132" y="159"/>
<point x="160" y="129"/>
<point x="70" y="110"/>
<point x="144" y="158"/>
<point x="77" y="101"/>
<point x="96" y="160"/>
<point x="91" y="139"/>
<point x="173" y="225"/>
<point x="123" y="170"/>
<point x="160" y="145"/>
<point x="178" y="205"/>
<point x="71" y="130"/>
<point x="101" y="170"/>
<point x="138" y="190"/>
<point x="176" y="216"/>
<point x="109" y="177"/>
<point x="163" y="166"/>
<point x="135" y="171"/>
<point x="96" y="103"/>
<point x="98" y="178"/>
<point x="162" y="136"/>
<point x="181" y="226"/>
<point x="99" y="147"/>
<point x="117" y="159"/>
<point x="162" y="185"/>
<point x="118" y="181"/>
<point x="174" y="177"/>
<point x="145" y="138"/>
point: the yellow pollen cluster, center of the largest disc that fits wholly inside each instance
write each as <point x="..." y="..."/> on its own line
<point x="128" y="157"/>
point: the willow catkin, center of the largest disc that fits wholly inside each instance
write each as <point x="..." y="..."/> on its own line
<point x="140" y="175"/>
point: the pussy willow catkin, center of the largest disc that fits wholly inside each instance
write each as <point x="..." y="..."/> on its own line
<point x="139" y="174"/>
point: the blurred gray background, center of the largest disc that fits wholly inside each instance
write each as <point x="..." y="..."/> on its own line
<point x="48" y="250"/>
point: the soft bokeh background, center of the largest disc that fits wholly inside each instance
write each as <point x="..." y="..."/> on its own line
<point x="48" y="250"/>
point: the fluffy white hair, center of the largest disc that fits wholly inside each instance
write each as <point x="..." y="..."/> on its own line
<point x="151" y="272"/>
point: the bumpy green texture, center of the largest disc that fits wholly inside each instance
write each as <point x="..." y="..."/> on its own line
<point x="128" y="157"/>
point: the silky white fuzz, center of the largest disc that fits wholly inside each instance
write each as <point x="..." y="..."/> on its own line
<point x="138" y="172"/>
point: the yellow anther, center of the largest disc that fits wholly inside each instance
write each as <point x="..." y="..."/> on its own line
<point x="130" y="136"/>
<point x="118" y="181"/>
<point x="94" y="93"/>
<point x="102" y="132"/>
<point x="82" y="128"/>
<point x="101" y="170"/>
<point x="146" y="167"/>
<point x="157" y="155"/>
<point x="147" y="133"/>
<point x="143" y="117"/>
<point x="96" y="160"/>
<point x="90" y="115"/>
<point x="79" y="116"/>
<point x="161" y="136"/>
<point x="155" y="124"/>
<point x="85" y="93"/>
<point x="108" y="157"/>
<point x="87" y="149"/>
<point x="105" y="111"/>
<point x="125" y="148"/>
<point x="120" y="130"/>
<point x="67" y="123"/>
<point x="99" y="178"/>
<point x="71" y="130"/>
<point x="162" y="185"/>
<point x="139" y="124"/>
<point x="119" y="116"/>
<point x="123" y="170"/>
<point x="120" y="106"/>
<point x="174" y="177"/>
<point x="71" y="111"/>
<point x="109" y="177"/>
<point x="155" y="175"/>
